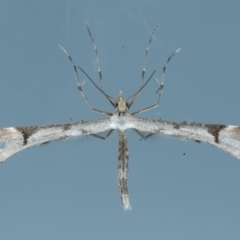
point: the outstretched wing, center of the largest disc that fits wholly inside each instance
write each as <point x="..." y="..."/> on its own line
<point x="16" y="139"/>
<point x="225" y="137"/>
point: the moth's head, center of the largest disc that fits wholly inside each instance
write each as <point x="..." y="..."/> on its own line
<point x="121" y="104"/>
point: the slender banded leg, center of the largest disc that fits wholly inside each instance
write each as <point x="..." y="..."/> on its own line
<point x="97" y="58"/>
<point x="109" y="98"/>
<point x="164" y="70"/>
<point x="160" y="89"/>
<point x="160" y="85"/>
<point x="80" y="86"/>
<point x="146" y="54"/>
<point x="134" y="96"/>
<point x="140" y="134"/>
<point x="104" y="137"/>
<point x="74" y="65"/>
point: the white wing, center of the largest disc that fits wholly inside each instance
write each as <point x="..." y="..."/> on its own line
<point x="225" y="137"/>
<point x="16" y="139"/>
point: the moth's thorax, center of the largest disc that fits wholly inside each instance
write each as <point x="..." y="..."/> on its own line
<point x="121" y="122"/>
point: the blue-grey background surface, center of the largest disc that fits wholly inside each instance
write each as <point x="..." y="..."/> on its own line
<point x="68" y="189"/>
